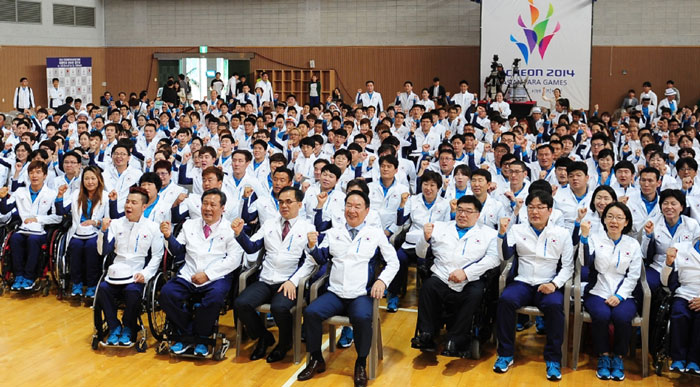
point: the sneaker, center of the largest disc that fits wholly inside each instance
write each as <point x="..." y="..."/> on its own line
<point x="201" y="350"/>
<point x="77" y="290"/>
<point x="692" y="368"/>
<point x="603" y="372"/>
<point x="539" y="325"/>
<point x="27" y="284"/>
<point x="125" y="338"/>
<point x="392" y="303"/>
<point x="617" y="370"/>
<point x="677" y="366"/>
<point x="346" y="338"/>
<point x="554" y="370"/>
<point x="17" y="285"/>
<point x="114" y="336"/>
<point x="502" y="364"/>
<point x="90" y="292"/>
<point x="521" y="327"/>
<point x="179" y="348"/>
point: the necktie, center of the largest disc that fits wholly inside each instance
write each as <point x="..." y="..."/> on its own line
<point x="353" y="233"/>
<point x="285" y="229"/>
<point x="207" y="231"/>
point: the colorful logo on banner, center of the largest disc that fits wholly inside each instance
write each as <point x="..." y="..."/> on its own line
<point x="536" y="33"/>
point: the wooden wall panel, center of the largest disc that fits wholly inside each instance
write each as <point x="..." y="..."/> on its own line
<point x="30" y="62"/>
<point x="134" y="69"/>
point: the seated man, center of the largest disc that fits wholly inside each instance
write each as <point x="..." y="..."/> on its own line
<point x="350" y="249"/>
<point x="464" y="251"/>
<point x="285" y="239"/>
<point x="211" y="254"/>
<point x="35" y="205"/>
<point x="543" y="264"/>
<point x="138" y="243"/>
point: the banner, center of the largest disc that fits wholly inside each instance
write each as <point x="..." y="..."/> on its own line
<point x="552" y="39"/>
<point x="74" y="76"/>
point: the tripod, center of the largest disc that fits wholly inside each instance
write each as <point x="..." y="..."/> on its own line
<point x="518" y="84"/>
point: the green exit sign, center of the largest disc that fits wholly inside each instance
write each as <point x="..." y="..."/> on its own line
<point x="203" y="49"/>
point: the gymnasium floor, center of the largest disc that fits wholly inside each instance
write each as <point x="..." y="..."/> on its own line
<point x="46" y="342"/>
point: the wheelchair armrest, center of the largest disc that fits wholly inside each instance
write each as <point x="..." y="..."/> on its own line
<point x="506" y="265"/>
<point x="316" y="286"/>
<point x="243" y="278"/>
<point x="577" y="280"/>
<point x="301" y="286"/>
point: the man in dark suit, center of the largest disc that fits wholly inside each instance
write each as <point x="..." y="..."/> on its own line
<point x="437" y="92"/>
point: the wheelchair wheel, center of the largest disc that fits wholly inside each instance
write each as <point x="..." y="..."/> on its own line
<point x="141" y="345"/>
<point x="659" y="366"/>
<point x="162" y="348"/>
<point x="61" y="271"/>
<point x="156" y="315"/>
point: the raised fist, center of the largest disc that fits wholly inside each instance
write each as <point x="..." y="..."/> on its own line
<point x="3" y="192"/>
<point x="586" y="228"/>
<point x="105" y="224"/>
<point x="428" y="231"/>
<point x="247" y="191"/>
<point x="113" y="195"/>
<point x="313" y="239"/>
<point x="671" y="254"/>
<point x="503" y="225"/>
<point x="321" y="199"/>
<point x="453" y="207"/>
<point x="237" y="226"/>
<point x="649" y="227"/>
<point x="165" y="229"/>
<point x="404" y="198"/>
<point x="581" y="214"/>
<point x="62" y="190"/>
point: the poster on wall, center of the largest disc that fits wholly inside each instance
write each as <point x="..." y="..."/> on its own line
<point x="547" y="42"/>
<point x="74" y="76"/>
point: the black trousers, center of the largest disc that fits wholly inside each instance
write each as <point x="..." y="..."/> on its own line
<point x="436" y="298"/>
<point x="259" y="293"/>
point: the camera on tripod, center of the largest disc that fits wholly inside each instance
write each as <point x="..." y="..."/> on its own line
<point x="494" y="63"/>
<point x="516" y="66"/>
<point x="494" y="82"/>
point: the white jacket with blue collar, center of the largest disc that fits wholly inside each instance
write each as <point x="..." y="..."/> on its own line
<point x="41" y="208"/>
<point x="618" y="265"/>
<point x="654" y="246"/>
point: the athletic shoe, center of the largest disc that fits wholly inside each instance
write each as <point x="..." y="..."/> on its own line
<point x="346" y="338"/>
<point x="201" y="350"/>
<point x="693" y="368"/>
<point x="125" y="338"/>
<point x="502" y="364"/>
<point x="17" y="285"/>
<point x="392" y="303"/>
<point x="114" y="336"/>
<point x="539" y="325"/>
<point x="27" y="284"/>
<point x="677" y="366"/>
<point x="179" y="348"/>
<point x="617" y="370"/>
<point x="603" y="372"/>
<point x="90" y="292"/>
<point x="521" y="327"/>
<point x="553" y="370"/>
<point x="77" y="290"/>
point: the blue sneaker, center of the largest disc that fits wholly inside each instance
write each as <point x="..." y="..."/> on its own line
<point x="113" y="338"/>
<point x="125" y="337"/>
<point x="677" y="366"/>
<point x="346" y="338"/>
<point x="201" y="350"/>
<point x="693" y="368"/>
<point x="617" y="370"/>
<point x="90" y="292"/>
<point x="19" y="282"/>
<point x="603" y="372"/>
<point x="27" y="284"/>
<point x="179" y="348"/>
<point x="392" y="303"/>
<point x="77" y="290"/>
<point x="554" y="370"/>
<point x="502" y="364"/>
<point x="519" y="327"/>
<point x="539" y="325"/>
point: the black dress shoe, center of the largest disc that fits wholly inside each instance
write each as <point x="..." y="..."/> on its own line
<point x="360" y="375"/>
<point x="261" y="347"/>
<point x="424" y="342"/>
<point x="313" y="367"/>
<point x="453" y="350"/>
<point x="277" y="354"/>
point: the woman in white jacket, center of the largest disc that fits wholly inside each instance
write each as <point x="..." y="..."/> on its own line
<point x="615" y="264"/>
<point x="87" y="207"/>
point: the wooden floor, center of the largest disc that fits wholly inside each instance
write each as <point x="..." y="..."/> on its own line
<point x="44" y="341"/>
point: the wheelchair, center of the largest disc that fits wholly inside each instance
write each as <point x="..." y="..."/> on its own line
<point x="660" y="340"/>
<point x="60" y="259"/>
<point x="42" y="283"/>
<point x="164" y="331"/>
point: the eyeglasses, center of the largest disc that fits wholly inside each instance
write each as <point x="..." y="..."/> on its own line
<point x="537" y="208"/>
<point x="119" y="154"/>
<point x="619" y="218"/>
<point x="516" y="170"/>
<point x="466" y="211"/>
<point x="287" y="202"/>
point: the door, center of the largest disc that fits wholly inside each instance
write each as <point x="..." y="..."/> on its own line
<point x="167" y="68"/>
<point x="242" y="67"/>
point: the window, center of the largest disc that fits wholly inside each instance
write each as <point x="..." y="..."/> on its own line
<point x="20" y="11"/>
<point x="69" y="15"/>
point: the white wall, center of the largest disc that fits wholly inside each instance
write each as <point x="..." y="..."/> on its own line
<point x="291" y="23"/>
<point x="48" y="34"/>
